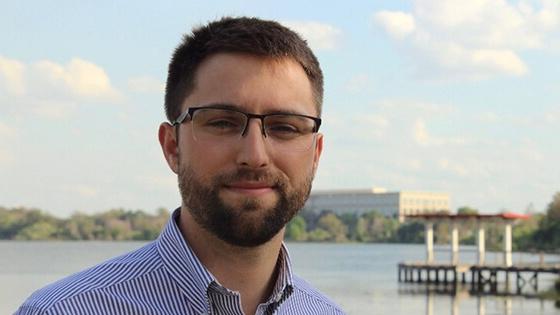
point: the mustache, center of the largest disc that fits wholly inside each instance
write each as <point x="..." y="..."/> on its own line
<point x="244" y="174"/>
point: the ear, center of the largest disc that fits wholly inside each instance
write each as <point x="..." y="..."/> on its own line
<point x="317" y="151"/>
<point x="168" y="142"/>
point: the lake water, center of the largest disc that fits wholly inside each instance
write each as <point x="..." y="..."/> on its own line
<point x="362" y="278"/>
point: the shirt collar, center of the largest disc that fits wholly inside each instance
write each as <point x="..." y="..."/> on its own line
<point x="183" y="265"/>
<point x="194" y="279"/>
<point x="284" y="282"/>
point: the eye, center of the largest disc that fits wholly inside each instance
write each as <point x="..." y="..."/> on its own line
<point x="283" y="131"/>
<point x="219" y="120"/>
<point x="288" y="127"/>
<point x="222" y="124"/>
<point x="283" y="128"/>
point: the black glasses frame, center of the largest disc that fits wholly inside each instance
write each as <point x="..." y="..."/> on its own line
<point x="191" y="110"/>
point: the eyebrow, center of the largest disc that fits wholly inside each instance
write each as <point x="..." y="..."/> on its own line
<point x="241" y="109"/>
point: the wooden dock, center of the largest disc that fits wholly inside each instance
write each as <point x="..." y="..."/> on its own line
<point x="482" y="278"/>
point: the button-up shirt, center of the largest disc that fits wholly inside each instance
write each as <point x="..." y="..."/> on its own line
<point x="166" y="277"/>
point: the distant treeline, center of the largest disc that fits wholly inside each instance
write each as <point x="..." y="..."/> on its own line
<point x="540" y="232"/>
<point x="112" y="225"/>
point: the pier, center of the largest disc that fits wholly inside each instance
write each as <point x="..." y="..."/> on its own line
<point x="482" y="277"/>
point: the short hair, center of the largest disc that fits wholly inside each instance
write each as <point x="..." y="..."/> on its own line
<point x="236" y="35"/>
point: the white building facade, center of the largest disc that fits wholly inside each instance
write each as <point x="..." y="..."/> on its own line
<point x="391" y="204"/>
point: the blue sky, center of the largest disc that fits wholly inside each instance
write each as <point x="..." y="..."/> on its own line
<point x="457" y="96"/>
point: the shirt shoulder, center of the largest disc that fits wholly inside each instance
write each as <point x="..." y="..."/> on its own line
<point x="311" y="301"/>
<point x="127" y="267"/>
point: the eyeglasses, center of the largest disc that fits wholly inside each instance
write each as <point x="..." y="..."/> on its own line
<point x="215" y="125"/>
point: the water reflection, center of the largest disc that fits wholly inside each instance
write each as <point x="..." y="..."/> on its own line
<point x="500" y="304"/>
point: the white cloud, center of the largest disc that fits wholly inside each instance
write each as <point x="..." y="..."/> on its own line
<point x="320" y="36"/>
<point x="55" y="110"/>
<point x="398" y="24"/>
<point x="7" y="134"/>
<point x="427" y="146"/>
<point x="472" y="39"/>
<point x="552" y="116"/>
<point x="79" y="79"/>
<point x="420" y="133"/>
<point x="145" y="84"/>
<point x="422" y="136"/>
<point x="11" y="76"/>
<point x="52" y="90"/>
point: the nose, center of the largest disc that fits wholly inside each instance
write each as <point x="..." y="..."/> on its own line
<point x="252" y="151"/>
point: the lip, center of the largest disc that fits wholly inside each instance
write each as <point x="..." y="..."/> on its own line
<point x="250" y="188"/>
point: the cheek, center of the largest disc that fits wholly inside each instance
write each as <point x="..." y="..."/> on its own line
<point x="204" y="160"/>
<point x="298" y="168"/>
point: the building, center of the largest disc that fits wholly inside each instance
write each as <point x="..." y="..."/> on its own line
<point x="393" y="204"/>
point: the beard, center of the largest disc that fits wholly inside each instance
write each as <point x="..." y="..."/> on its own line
<point x="250" y="223"/>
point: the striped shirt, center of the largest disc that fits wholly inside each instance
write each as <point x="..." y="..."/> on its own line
<point x="166" y="277"/>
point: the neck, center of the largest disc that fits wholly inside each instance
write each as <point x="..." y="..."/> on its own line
<point x="251" y="271"/>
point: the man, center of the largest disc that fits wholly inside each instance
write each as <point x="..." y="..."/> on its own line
<point x="243" y="97"/>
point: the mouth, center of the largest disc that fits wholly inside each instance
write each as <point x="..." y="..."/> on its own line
<point x="250" y="188"/>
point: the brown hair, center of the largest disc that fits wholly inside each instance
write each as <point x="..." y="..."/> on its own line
<point x="236" y="35"/>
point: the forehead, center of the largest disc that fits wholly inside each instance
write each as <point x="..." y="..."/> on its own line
<point x="252" y="83"/>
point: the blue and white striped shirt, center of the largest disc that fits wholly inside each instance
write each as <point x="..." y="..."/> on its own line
<point x="166" y="277"/>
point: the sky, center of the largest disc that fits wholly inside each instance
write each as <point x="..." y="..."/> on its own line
<point x="449" y="96"/>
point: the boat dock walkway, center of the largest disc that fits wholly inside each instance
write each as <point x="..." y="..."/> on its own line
<point x="482" y="276"/>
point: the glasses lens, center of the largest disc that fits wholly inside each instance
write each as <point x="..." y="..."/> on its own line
<point x="217" y="125"/>
<point x="285" y="132"/>
<point x="292" y="132"/>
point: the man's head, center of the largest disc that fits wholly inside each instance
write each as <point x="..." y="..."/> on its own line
<point x="236" y="35"/>
<point x="247" y="151"/>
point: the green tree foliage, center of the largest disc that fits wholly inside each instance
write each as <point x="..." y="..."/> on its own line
<point x="330" y="223"/>
<point x="524" y="231"/>
<point x="540" y="232"/>
<point x="296" y="229"/>
<point x="351" y="222"/>
<point x="547" y="237"/>
<point x="410" y="232"/>
<point x="375" y="227"/>
<point x="319" y="235"/>
<point x="466" y="210"/>
<point x="40" y="230"/>
<point x="116" y="224"/>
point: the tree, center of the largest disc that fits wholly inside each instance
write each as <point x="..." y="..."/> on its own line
<point x="296" y="229"/>
<point x="334" y="226"/>
<point x="373" y="226"/>
<point x="351" y="221"/>
<point x="547" y="237"/>
<point x="319" y="235"/>
<point x="466" y="210"/>
<point x="412" y="232"/>
<point x="41" y="230"/>
<point x="524" y="231"/>
<point x="553" y="210"/>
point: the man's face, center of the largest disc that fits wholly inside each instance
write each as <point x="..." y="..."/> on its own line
<point x="245" y="192"/>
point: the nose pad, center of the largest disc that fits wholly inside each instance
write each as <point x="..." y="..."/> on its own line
<point x="246" y="129"/>
<point x="253" y="150"/>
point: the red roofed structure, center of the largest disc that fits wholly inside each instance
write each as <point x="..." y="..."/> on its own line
<point x="508" y="218"/>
